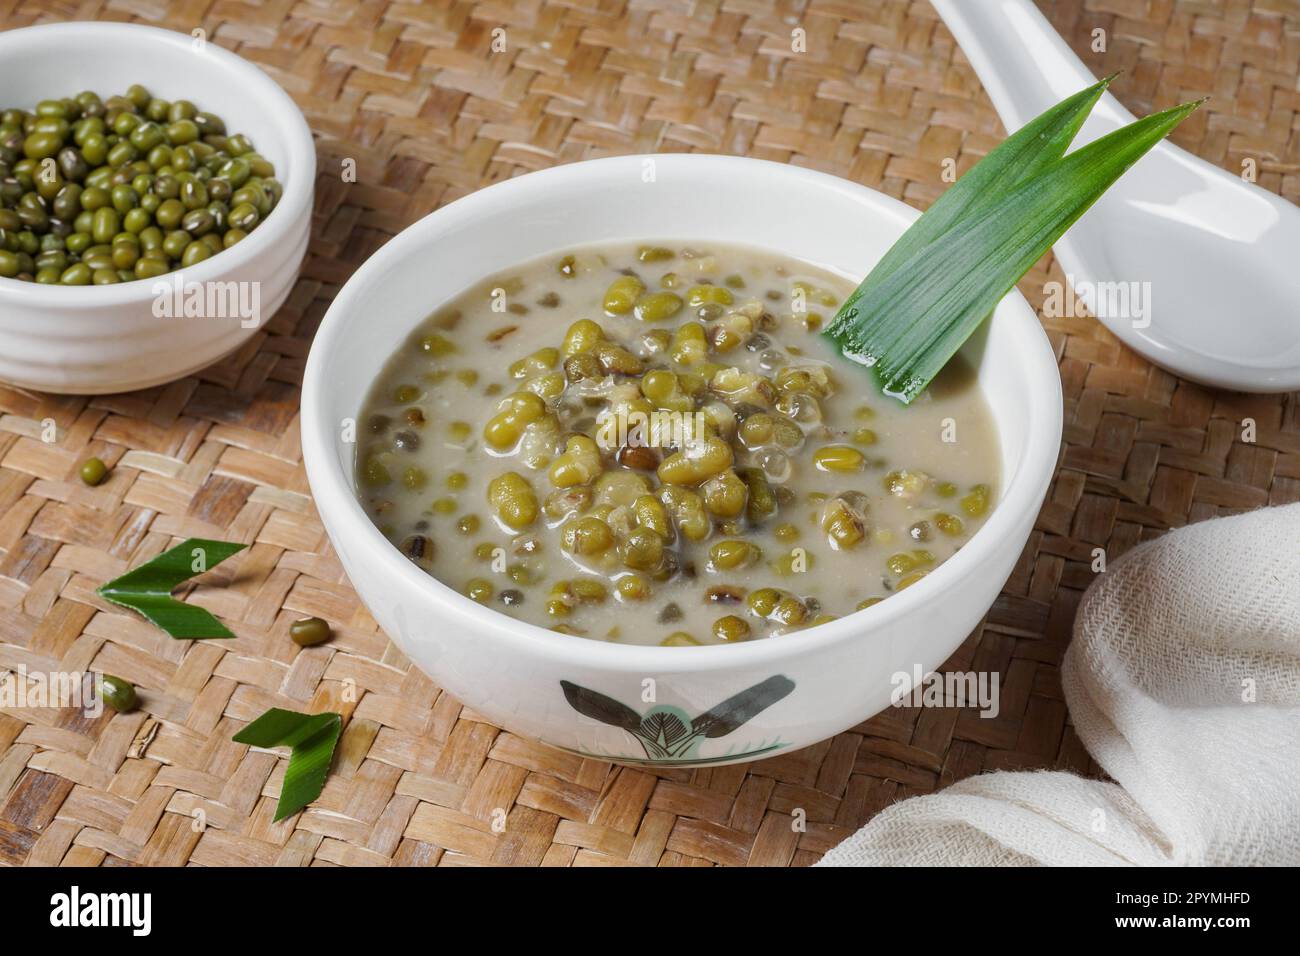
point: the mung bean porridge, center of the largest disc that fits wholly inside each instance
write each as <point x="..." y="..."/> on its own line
<point x="653" y="444"/>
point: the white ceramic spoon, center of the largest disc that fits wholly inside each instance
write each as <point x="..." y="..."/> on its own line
<point x="1222" y="256"/>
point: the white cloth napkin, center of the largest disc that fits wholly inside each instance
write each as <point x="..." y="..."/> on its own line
<point x="1183" y="681"/>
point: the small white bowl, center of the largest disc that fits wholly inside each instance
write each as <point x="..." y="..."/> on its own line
<point x="584" y="695"/>
<point x="90" y="340"/>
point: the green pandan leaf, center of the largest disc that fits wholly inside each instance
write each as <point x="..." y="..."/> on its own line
<point x="147" y="589"/>
<point x="949" y="270"/>
<point x="1029" y="150"/>
<point x="311" y="737"/>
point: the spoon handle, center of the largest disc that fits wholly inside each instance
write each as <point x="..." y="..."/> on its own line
<point x="1023" y="63"/>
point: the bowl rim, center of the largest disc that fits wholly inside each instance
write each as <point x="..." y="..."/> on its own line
<point x="332" y="494"/>
<point x="298" y="178"/>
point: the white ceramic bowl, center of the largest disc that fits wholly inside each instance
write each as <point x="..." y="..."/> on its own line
<point x="96" y="339"/>
<point x="580" y="694"/>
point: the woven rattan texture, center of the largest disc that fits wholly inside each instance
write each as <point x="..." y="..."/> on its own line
<point x="414" y="94"/>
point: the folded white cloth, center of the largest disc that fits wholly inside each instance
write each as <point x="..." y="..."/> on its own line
<point x="1183" y="681"/>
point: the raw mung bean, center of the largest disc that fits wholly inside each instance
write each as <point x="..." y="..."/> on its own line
<point x="309" y="631"/>
<point x="118" y="693"/>
<point x="123" y="167"/>
<point x="93" y="471"/>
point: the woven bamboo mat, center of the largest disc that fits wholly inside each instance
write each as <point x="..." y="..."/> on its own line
<point x="414" y="94"/>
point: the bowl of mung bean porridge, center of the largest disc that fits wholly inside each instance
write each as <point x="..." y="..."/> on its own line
<point x="589" y="460"/>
